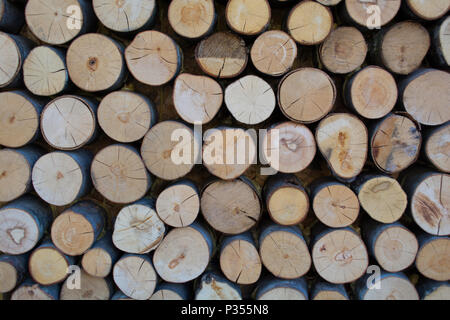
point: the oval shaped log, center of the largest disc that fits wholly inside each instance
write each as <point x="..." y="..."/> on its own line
<point x="440" y="43"/>
<point x="119" y="174"/>
<point x="60" y="178"/>
<point x="432" y="258"/>
<point x="284" y="251"/>
<point x="437" y="147"/>
<point x="171" y="291"/>
<point x="273" y="288"/>
<point x="30" y="290"/>
<point x="248" y="17"/>
<point x="23" y="223"/>
<point x="328" y="291"/>
<point x="428" y="10"/>
<point x="100" y="258"/>
<point x="212" y="286"/>
<point x="433" y="290"/>
<point x="357" y="11"/>
<point x="306" y="95"/>
<point x="91" y="288"/>
<point x="13" y="270"/>
<point x="11" y="17"/>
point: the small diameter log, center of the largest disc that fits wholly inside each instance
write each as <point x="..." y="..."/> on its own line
<point x="309" y="22"/>
<point x="13" y="270"/>
<point x="76" y="229"/>
<point x="286" y="200"/>
<point x="239" y="259"/>
<point x="425" y="95"/>
<point x="179" y="204"/>
<point x="91" y="288"/>
<point x="339" y="255"/>
<point x="60" y="178"/>
<point x="95" y="63"/>
<point x="23" y="223"/>
<point x="137" y="228"/>
<point x="156" y="51"/>
<point x="279" y="289"/>
<point x="69" y="122"/>
<point x="250" y="100"/>
<point x="135" y="276"/>
<point x="401" y="47"/>
<point x="170" y="149"/>
<point x="119" y="174"/>
<point x="30" y="290"/>
<point x="392" y="286"/>
<point x="57" y="22"/>
<point x="328" y="291"/>
<point x="381" y="197"/>
<point x="288" y="147"/>
<point x="231" y="207"/>
<point x="100" y="258"/>
<point x="248" y="17"/>
<point x="229" y="152"/>
<point x="11" y="17"/>
<point x="222" y="55"/>
<point x="126" y="116"/>
<point x="15" y="171"/>
<point x="19" y="118"/>
<point x="329" y="2"/>
<point x="273" y="53"/>
<point x="284" y="251"/>
<point x="306" y="95"/>
<point x="437" y="147"/>
<point x="428" y="10"/>
<point x="344" y="50"/>
<point x="432" y="258"/>
<point x="212" y="286"/>
<point x="171" y="291"/>
<point x="371" y="92"/>
<point x="342" y="140"/>
<point x="440" y="43"/>
<point x="197" y="99"/>
<point x="395" y="142"/>
<point x="357" y="11"/>
<point x="192" y="19"/>
<point x="334" y="204"/>
<point x="433" y="290"/>
<point x="184" y="253"/>
<point x="125" y="16"/>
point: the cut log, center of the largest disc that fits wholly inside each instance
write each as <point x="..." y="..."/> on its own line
<point x="342" y="140"/>
<point x="137" y="228"/>
<point x="357" y="11"/>
<point x="192" y="19"/>
<point x="344" y="50"/>
<point x="432" y="258"/>
<point x="69" y="122"/>
<point x="273" y="53"/>
<point x="95" y="63"/>
<point x="250" y="100"/>
<point x="171" y="291"/>
<point x="428" y="10"/>
<point x="19" y="118"/>
<point x="229" y="152"/>
<point x="184" y="253"/>
<point x="135" y="276"/>
<point x="76" y="229"/>
<point x="306" y="95"/>
<point x="329" y="2"/>
<point x="212" y="286"/>
<point x="222" y="55"/>
<point x="60" y="178"/>
<point x="170" y="149"/>
<point x="284" y="251"/>
<point x="153" y="50"/>
<point x="179" y="204"/>
<point x="15" y="171"/>
<point x="239" y="259"/>
<point x="371" y="92"/>
<point x="279" y="289"/>
<point x="197" y="99"/>
<point x="125" y="16"/>
<point x="328" y="291"/>
<point x="437" y="147"/>
<point x="30" y="290"/>
<point x="395" y="142"/>
<point x="440" y="49"/>
<point x="381" y="197"/>
<point x="334" y="204"/>
<point x="433" y="290"/>
<point x="100" y="258"/>
<point x="57" y="22"/>
<point x="248" y="18"/>
<point x="288" y="147"/>
<point x="91" y="288"/>
<point x="339" y="255"/>
<point x="11" y="17"/>
<point x="425" y="95"/>
<point x="231" y="207"/>
<point x="286" y="200"/>
<point x="13" y="270"/>
<point x="119" y="174"/>
<point x="309" y="22"/>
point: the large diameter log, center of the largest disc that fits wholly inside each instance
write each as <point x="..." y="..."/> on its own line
<point x="433" y="290"/>
<point x="432" y="258"/>
<point x="440" y="43"/>
<point x="248" y="17"/>
<point x="119" y="174"/>
<point x="137" y="228"/>
<point x="213" y="286"/>
<point x="425" y="95"/>
<point x="60" y="178"/>
<point x="23" y="223"/>
<point x="13" y="270"/>
<point x="286" y="200"/>
<point x="273" y="288"/>
<point x="95" y="63"/>
<point x="428" y="10"/>
<point x="437" y="147"/>
<point x="171" y="291"/>
<point x="371" y="92"/>
<point x="306" y="95"/>
<point x="343" y="141"/>
<point x="231" y="207"/>
<point x="30" y="290"/>
<point x="91" y="288"/>
<point x="284" y="251"/>
<point x="100" y="258"/>
<point x="11" y="17"/>
<point x="15" y="171"/>
<point x="135" y="276"/>
<point x="328" y="291"/>
<point x="76" y="229"/>
<point x="358" y="12"/>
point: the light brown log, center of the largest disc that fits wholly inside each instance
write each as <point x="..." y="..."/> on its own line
<point x="392" y="286"/>
<point x="357" y="11"/>
<point x="432" y="258"/>
<point x="212" y="286"/>
<point x="100" y="258"/>
<point x="31" y="290"/>
<point x="437" y="147"/>
<point x="440" y="49"/>
<point x="429" y="10"/>
<point x="91" y="288"/>
<point x="248" y="17"/>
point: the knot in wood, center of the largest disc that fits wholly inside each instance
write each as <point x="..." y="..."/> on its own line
<point x="92" y="63"/>
<point x="124" y="117"/>
<point x="344" y="257"/>
<point x="176" y="261"/>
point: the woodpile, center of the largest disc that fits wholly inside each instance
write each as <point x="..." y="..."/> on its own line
<point x="229" y="150"/>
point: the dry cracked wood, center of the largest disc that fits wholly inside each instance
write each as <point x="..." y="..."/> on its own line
<point x="248" y="17"/>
